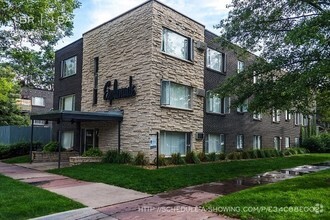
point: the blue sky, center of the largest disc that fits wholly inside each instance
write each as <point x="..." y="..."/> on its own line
<point x="95" y="12"/>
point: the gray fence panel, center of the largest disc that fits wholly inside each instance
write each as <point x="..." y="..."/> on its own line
<point x="4" y="135"/>
<point x="17" y="134"/>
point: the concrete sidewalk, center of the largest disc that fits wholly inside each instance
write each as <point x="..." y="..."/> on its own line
<point x="111" y="202"/>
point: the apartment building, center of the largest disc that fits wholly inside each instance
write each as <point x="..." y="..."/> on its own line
<point x="152" y="70"/>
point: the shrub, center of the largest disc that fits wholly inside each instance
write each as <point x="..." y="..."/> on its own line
<point x="140" y="159"/>
<point x="287" y="152"/>
<point x="202" y="156"/>
<point x="7" y="151"/>
<point x="177" y="159"/>
<point x="125" y="157"/>
<point x="261" y="154"/>
<point x="222" y="156"/>
<point x="276" y="153"/>
<point x="212" y="157"/>
<point x="234" y="156"/>
<point x="52" y="147"/>
<point x="93" y="152"/>
<point x="162" y="161"/>
<point x="112" y="156"/>
<point x="191" y="157"/>
<point x="245" y="155"/>
<point x="267" y="153"/>
<point x="317" y="144"/>
<point x="253" y="154"/>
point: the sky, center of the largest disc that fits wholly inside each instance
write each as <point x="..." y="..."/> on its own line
<point x="95" y="12"/>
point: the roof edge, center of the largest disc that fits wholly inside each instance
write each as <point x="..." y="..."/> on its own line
<point x="133" y="9"/>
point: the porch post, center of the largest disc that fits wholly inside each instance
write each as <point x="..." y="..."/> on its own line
<point x="60" y="143"/>
<point x="31" y="144"/>
<point x="119" y="124"/>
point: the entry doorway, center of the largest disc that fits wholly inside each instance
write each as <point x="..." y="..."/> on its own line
<point x="89" y="139"/>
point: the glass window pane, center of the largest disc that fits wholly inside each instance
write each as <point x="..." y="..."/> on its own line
<point x="67" y="139"/>
<point x="69" y="67"/>
<point x="214" y="60"/>
<point x="176" y="95"/>
<point x="175" y="44"/>
<point x="38" y="101"/>
<point x="172" y="142"/>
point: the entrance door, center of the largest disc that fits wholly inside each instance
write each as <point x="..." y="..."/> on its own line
<point x="89" y="139"/>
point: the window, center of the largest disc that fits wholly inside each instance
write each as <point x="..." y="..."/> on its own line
<point x="296" y="142"/>
<point x="96" y="79"/>
<point x="287" y="115"/>
<point x="175" y="95"/>
<point x="215" y="143"/>
<point x="67" y="103"/>
<point x="69" y="67"/>
<point x="257" y="116"/>
<point x="256" y="78"/>
<point x="300" y="119"/>
<point x="215" y="104"/>
<point x="39" y="122"/>
<point x="240" y="66"/>
<point x="177" y="45"/>
<point x="244" y="107"/>
<point x="287" y="142"/>
<point x="277" y="143"/>
<point x="256" y="142"/>
<point x="239" y="141"/>
<point x="174" y="142"/>
<point x="38" y="101"/>
<point x="214" y="60"/>
<point x="67" y="139"/>
<point x="276" y="115"/>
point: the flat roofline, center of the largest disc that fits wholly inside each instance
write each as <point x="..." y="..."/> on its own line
<point x="76" y="41"/>
<point x="67" y="116"/>
<point x="133" y="9"/>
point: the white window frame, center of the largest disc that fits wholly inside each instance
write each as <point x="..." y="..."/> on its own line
<point x="239" y="141"/>
<point x="296" y="142"/>
<point x="224" y="104"/>
<point x="35" y="102"/>
<point x="221" y="143"/>
<point x="163" y="135"/>
<point x="188" y="54"/>
<point x="240" y="66"/>
<point x="300" y="119"/>
<point x="208" y="59"/>
<point x="243" y="107"/>
<point x="287" y="142"/>
<point x="165" y="99"/>
<point x="276" y="115"/>
<point x="277" y="140"/>
<point x="257" y="116"/>
<point x="39" y="122"/>
<point x="288" y="115"/>
<point x="257" y="142"/>
<point x="63" y="67"/>
<point x="62" y="100"/>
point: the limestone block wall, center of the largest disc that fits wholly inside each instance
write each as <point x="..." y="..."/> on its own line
<point x="183" y="72"/>
<point x="123" y="46"/>
<point x="130" y="45"/>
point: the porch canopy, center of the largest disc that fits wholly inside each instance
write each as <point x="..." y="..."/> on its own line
<point x="76" y="117"/>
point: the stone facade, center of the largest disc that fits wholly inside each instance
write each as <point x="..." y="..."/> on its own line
<point x="131" y="46"/>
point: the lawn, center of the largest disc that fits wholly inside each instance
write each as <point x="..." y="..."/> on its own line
<point x="21" y="201"/>
<point x="19" y="159"/>
<point x="170" y="178"/>
<point x="308" y="194"/>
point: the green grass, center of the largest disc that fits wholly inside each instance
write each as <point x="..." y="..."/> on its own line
<point x="303" y="191"/>
<point x="21" y="201"/>
<point x="165" y="179"/>
<point x="19" y="159"/>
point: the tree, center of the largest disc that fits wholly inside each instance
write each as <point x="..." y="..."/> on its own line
<point x="9" y="92"/>
<point x="293" y="40"/>
<point x="29" y="31"/>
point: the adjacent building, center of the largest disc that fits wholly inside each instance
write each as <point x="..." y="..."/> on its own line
<point x="156" y="68"/>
